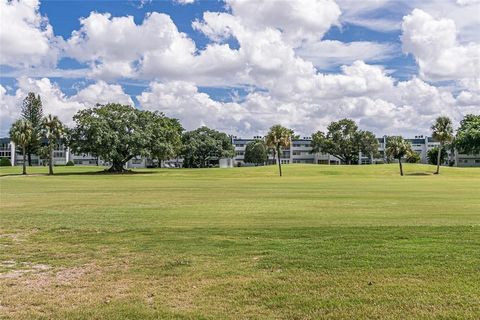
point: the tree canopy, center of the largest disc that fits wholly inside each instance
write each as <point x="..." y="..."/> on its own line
<point x="467" y="139"/>
<point x="204" y="145"/>
<point x="344" y="140"/>
<point x="256" y="152"/>
<point x="118" y="133"/>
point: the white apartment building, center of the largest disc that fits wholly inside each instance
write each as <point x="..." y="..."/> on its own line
<point x="298" y="152"/>
<point x="61" y="155"/>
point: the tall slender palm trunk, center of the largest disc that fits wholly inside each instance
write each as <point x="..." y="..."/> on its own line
<point x="400" y="164"/>
<point x="279" y="162"/>
<point x="50" y="161"/>
<point x="24" y="162"/>
<point x="438" y="158"/>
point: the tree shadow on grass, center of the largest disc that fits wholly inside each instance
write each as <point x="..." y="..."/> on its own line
<point x="419" y="174"/>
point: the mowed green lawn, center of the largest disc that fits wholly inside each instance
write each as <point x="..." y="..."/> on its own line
<point x="322" y="242"/>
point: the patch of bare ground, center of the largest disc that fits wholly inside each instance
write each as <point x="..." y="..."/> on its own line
<point x="17" y="237"/>
<point x="40" y="291"/>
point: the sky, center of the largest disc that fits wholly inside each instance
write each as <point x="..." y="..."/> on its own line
<point x="242" y="66"/>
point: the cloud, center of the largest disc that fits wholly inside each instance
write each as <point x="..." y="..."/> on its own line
<point x="331" y="53"/>
<point x="26" y="38"/>
<point x="274" y="49"/>
<point x="184" y="2"/>
<point x="298" y="20"/>
<point x="117" y="47"/>
<point x="361" y="92"/>
<point x="433" y="43"/>
<point x="55" y="101"/>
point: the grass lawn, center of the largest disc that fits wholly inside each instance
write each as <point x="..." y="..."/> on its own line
<point x="322" y="242"/>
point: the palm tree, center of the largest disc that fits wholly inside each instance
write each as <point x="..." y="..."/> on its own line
<point x="21" y="134"/>
<point x="53" y="130"/>
<point x="397" y="148"/>
<point x="277" y="138"/>
<point x="442" y="131"/>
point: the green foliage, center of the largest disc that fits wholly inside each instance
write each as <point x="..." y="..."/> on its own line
<point x="166" y="137"/>
<point x="442" y="130"/>
<point x="467" y="139"/>
<point x="277" y="138"/>
<point x="344" y="140"/>
<point x="118" y="133"/>
<point x="203" y="145"/>
<point x="256" y="152"/>
<point x="398" y="148"/>
<point x="21" y="134"/>
<point x="413" y="157"/>
<point x="53" y="130"/>
<point x="5" y="162"/>
<point x="432" y="156"/>
<point x="70" y="163"/>
<point x="32" y="111"/>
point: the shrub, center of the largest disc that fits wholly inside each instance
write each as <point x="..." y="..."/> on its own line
<point x="70" y="163"/>
<point x="5" y="162"/>
<point x="432" y="155"/>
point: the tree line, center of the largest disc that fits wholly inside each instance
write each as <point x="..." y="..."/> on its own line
<point x="118" y="133"/>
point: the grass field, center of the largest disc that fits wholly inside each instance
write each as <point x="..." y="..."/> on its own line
<point x="322" y="242"/>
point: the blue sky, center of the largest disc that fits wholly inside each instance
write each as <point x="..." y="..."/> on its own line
<point x="241" y="66"/>
<point x="65" y="16"/>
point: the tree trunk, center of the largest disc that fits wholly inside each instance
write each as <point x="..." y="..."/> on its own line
<point x="279" y="162"/>
<point x="24" y="162"/>
<point x="400" y="164"/>
<point x="50" y="160"/>
<point x="117" y="167"/>
<point x="438" y="158"/>
<point x="29" y="159"/>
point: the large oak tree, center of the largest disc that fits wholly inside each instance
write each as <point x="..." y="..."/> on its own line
<point x="118" y="133"/>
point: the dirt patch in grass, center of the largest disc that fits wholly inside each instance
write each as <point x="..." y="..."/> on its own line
<point x="20" y="268"/>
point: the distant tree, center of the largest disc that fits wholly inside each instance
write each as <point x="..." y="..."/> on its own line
<point x="21" y="135"/>
<point x="442" y="131"/>
<point x="432" y="155"/>
<point x="398" y="148"/>
<point x="118" y="133"/>
<point x="467" y="139"/>
<point x="413" y="157"/>
<point x="32" y="111"/>
<point x="345" y="141"/>
<point x="53" y="130"/>
<point x="256" y="152"/>
<point x="278" y="138"/>
<point x="202" y="145"/>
